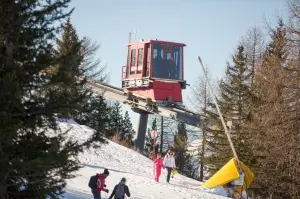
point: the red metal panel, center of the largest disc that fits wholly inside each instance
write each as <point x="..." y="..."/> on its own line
<point x="167" y="42"/>
<point x="143" y="92"/>
<point x="155" y="41"/>
<point x="160" y="91"/>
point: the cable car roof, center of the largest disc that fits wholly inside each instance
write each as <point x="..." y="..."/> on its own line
<point x="155" y="41"/>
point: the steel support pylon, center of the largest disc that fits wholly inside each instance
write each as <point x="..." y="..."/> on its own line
<point x="141" y="131"/>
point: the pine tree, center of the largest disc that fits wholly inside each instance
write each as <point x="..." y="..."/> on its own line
<point x="273" y="122"/>
<point x="254" y="45"/>
<point x="190" y="166"/>
<point x="127" y="130"/>
<point x="96" y="115"/>
<point x="69" y="51"/>
<point x="90" y="65"/>
<point x="149" y="142"/>
<point x="234" y="99"/>
<point x="116" y="118"/>
<point x="180" y="146"/>
<point x="154" y="125"/>
<point x="29" y="157"/>
<point x="77" y="60"/>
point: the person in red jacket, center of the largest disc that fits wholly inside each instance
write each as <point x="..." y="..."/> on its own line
<point x="99" y="184"/>
<point x="158" y="165"/>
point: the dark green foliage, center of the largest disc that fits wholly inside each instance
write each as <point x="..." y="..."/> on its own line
<point x="180" y="147"/>
<point x="127" y="130"/>
<point x="63" y="75"/>
<point x="190" y="167"/>
<point x="234" y="104"/>
<point x="37" y="84"/>
<point x="95" y="115"/>
<point x="107" y="120"/>
<point x="76" y="60"/>
<point x="149" y="142"/>
<point x="115" y="120"/>
<point x="154" y="125"/>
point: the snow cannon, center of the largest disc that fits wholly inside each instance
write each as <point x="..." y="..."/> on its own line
<point x="229" y="176"/>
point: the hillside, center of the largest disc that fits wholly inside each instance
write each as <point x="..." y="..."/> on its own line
<point x="124" y="162"/>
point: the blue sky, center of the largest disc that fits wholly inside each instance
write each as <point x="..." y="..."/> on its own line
<point x="209" y="28"/>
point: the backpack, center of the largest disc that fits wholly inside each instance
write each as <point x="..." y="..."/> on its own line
<point x="119" y="191"/>
<point x="93" y="182"/>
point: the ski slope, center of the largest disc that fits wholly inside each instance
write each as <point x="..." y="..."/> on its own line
<point x="137" y="169"/>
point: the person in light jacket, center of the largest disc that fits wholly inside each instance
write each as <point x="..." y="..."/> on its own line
<point x="169" y="163"/>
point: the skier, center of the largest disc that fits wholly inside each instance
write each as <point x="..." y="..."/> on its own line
<point x="97" y="184"/>
<point x="120" y="190"/>
<point x="169" y="163"/>
<point x="158" y="164"/>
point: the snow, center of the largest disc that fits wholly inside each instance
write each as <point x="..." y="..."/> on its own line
<point x="136" y="168"/>
<point x="194" y="147"/>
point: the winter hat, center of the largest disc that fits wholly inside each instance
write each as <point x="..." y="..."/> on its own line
<point x="123" y="179"/>
<point x="106" y="172"/>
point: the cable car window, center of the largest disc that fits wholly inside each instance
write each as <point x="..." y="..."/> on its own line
<point x="154" y="53"/>
<point x="148" y="61"/>
<point x="161" y="52"/>
<point x="133" y="57"/>
<point x="132" y="67"/>
<point x="177" y="63"/>
<point x="128" y="62"/>
<point x="167" y="65"/>
<point x="180" y="60"/>
<point x="140" y="60"/>
<point x="157" y="60"/>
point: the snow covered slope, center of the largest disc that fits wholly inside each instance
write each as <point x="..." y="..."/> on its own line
<point x="137" y="169"/>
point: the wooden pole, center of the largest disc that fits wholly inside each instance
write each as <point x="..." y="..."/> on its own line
<point x="220" y="114"/>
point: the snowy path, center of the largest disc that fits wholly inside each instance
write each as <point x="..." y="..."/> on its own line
<point x="137" y="169"/>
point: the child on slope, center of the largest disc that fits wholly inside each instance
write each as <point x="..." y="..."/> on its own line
<point x="158" y="164"/>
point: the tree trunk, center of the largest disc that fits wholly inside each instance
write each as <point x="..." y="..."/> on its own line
<point x="162" y="134"/>
<point x="202" y="156"/>
<point x="3" y="176"/>
<point x="203" y="139"/>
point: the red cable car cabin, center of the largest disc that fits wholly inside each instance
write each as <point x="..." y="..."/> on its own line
<point x="154" y="70"/>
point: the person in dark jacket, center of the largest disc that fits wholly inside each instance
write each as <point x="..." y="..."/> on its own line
<point x="97" y="184"/>
<point x="120" y="190"/>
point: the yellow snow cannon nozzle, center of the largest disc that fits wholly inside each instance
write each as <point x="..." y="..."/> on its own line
<point x="230" y="173"/>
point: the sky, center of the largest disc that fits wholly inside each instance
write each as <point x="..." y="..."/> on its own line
<point x="210" y="29"/>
